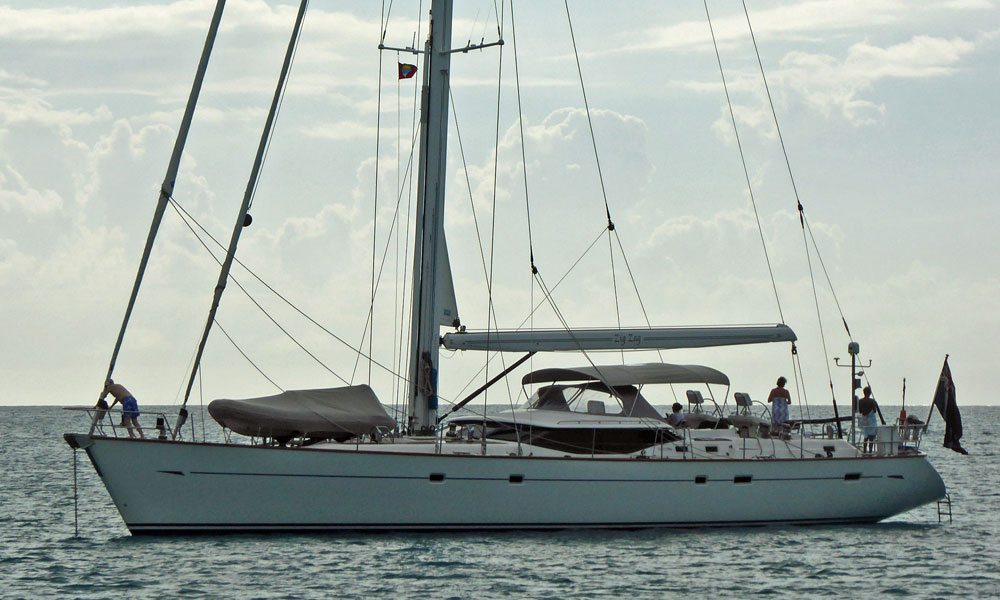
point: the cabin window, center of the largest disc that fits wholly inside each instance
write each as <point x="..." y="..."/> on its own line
<point x="711" y="448"/>
<point x="700" y="479"/>
<point x="437" y="477"/>
<point x="517" y="478"/>
<point x="852" y="477"/>
<point x="742" y="479"/>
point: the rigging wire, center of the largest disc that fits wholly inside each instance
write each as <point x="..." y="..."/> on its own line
<point x="244" y="354"/>
<point x="277" y="113"/>
<point x="600" y="172"/>
<point x="493" y="227"/>
<point x="586" y="355"/>
<point x="524" y="177"/>
<point x="185" y="216"/>
<point x="770" y="101"/>
<point x="819" y="315"/>
<point x="378" y="141"/>
<point x="746" y="172"/>
<point x="590" y="123"/>
<point x="254" y="300"/>
<point x="614" y="286"/>
<point x="491" y="316"/>
<point x="635" y="286"/>
<point x="802" y="217"/>
<point x="530" y="315"/>
<point x="242" y="219"/>
<point x="201" y="404"/>
<point x="491" y="308"/>
<point x="385" y="254"/>
<point x="396" y="359"/>
<point x="406" y="333"/>
<point x="826" y="274"/>
<point x="520" y="125"/>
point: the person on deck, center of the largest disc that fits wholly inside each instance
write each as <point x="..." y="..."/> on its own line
<point x="869" y="418"/>
<point x="676" y="417"/>
<point x="130" y="408"/>
<point x="779" y="399"/>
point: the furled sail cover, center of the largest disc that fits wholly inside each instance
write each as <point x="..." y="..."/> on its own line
<point x="615" y="375"/>
<point x="445" y="291"/>
<point x="338" y="413"/>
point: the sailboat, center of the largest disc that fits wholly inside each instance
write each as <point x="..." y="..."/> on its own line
<point x="587" y="450"/>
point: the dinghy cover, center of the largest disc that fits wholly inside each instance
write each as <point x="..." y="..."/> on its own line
<point x="338" y="413"/>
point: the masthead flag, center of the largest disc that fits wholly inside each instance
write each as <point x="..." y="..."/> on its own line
<point x="407" y="70"/>
<point x="944" y="400"/>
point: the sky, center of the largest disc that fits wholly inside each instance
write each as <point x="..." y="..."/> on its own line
<point x="887" y="110"/>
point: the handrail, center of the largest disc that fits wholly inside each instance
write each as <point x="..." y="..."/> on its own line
<point x="96" y="417"/>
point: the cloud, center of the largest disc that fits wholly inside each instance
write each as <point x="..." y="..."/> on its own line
<point x="969" y="4"/>
<point x="340" y="131"/>
<point x="8" y="79"/>
<point x="794" y="19"/>
<point x="38" y="111"/>
<point x="827" y="83"/>
<point x="832" y="85"/>
<point x="70" y="24"/>
<point x="16" y="194"/>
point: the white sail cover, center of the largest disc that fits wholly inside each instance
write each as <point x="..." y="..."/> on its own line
<point x="337" y="413"/>
<point x="662" y="338"/>
<point x="445" y="288"/>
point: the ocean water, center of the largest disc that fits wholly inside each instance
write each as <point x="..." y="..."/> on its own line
<point x="909" y="556"/>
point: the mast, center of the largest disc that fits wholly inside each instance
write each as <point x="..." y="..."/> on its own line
<point x="428" y="240"/>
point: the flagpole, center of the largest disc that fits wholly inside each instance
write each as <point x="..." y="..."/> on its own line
<point x="930" y="413"/>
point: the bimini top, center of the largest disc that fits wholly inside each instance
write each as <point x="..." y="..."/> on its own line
<point x="616" y="375"/>
<point x="338" y="413"/>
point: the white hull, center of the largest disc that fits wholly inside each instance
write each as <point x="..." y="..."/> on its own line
<point x="162" y="487"/>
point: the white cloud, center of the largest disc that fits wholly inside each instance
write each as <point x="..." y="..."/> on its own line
<point x="831" y="85"/>
<point x="20" y="80"/>
<point x="828" y="83"/>
<point x="341" y="130"/>
<point x="789" y="19"/>
<point x="16" y="194"/>
<point x="36" y="110"/>
<point x="969" y="4"/>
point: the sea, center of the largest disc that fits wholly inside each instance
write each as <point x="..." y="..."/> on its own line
<point x="46" y="553"/>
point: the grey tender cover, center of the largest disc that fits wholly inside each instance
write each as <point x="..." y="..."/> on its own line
<point x="338" y="413"/>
